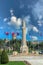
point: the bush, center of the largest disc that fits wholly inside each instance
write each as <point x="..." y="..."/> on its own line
<point x="4" y="57"/>
<point x="0" y="55"/>
<point x="0" y="58"/>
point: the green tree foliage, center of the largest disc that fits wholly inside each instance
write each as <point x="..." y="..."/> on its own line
<point x="41" y="45"/>
<point x="0" y="55"/>
<point x="2" y="43"/>
<point x="4" y="57"/>
<point x="15" y="44"/>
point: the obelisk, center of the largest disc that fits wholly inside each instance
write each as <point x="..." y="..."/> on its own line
<point x="24" y="47"/>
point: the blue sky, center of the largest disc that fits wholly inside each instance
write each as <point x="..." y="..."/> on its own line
<point x="12" y="12"/>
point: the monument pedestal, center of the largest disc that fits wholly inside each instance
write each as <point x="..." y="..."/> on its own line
<point x="24" y="49"/>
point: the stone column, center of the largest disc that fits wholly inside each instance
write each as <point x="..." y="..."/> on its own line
<point x="23" y="48"/>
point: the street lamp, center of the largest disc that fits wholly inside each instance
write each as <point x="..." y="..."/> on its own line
<point x="7" y="33"/>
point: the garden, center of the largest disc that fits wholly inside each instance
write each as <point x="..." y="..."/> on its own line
<point x="4" y="60"/>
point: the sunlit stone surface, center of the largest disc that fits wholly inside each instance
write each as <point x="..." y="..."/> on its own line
<point x="24" y="47"/>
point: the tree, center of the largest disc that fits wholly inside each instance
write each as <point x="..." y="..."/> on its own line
<point x="15" y="44"/>
<point x="4" y="57"/>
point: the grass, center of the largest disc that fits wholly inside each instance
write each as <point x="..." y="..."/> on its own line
<point x="15" y="63"/>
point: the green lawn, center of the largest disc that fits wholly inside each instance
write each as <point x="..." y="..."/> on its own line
<point x="15" y="63"/>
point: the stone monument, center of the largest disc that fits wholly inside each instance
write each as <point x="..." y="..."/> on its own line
<point x="24" y="47"/>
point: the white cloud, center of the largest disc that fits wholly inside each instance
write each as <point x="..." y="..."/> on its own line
<point x="13" y="19"/>
<point x="30" y="27"/>
<point x="16" y="21"/>
<point x="11" y="11"/>
<point x="35" y="29"/>
<point x="34" y="38"/>
<point x="26" y="30"/>
<point x="27" y="18"/>
<point x="38" y="9"/>
<point x="19" y="21"/>
<point x="5" y="19"/>
<point x="40" y="22"/>
<point x="40" y="17"/>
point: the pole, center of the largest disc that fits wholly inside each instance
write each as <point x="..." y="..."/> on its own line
<point x="33" y="47"/>
<point x="38" y="45"/>
<point x="9" y="44"/>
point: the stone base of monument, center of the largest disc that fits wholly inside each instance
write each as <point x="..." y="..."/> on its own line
<point x="24" y="50"/>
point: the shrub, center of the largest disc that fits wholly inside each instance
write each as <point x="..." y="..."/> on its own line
<point x="0" y="58"/>
<point x="0" y="55"/>
<point x="4" y="57"/>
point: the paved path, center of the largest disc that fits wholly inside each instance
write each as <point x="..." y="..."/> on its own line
<point x="34" y="60"/>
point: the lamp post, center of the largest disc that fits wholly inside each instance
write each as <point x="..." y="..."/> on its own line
<point x="29" y="44"/>
<point x="41" y="35"/>
<point x="38" y="45"/>
<point x="7" y="33"/>
<point x="13" y="38"/>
